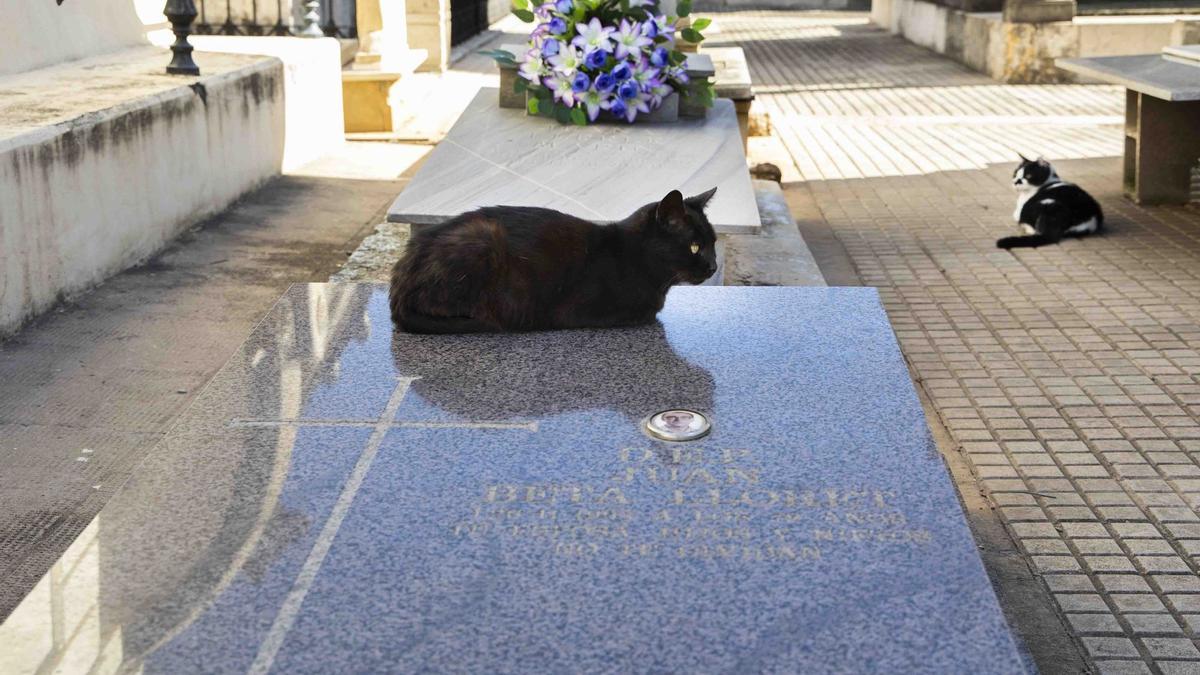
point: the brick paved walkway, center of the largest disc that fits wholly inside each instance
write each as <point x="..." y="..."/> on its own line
<point x="1066" y="376"/>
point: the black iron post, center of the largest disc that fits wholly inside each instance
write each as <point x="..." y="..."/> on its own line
<point x="181" y="14"/>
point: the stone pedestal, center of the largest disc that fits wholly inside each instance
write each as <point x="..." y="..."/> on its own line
<point x="429" y="29"/>
<point x="1038" y="11"/>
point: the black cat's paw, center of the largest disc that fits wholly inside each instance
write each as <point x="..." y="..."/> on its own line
<point x="1007" y="243"/>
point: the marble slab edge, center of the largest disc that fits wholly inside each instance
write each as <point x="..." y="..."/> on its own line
<point x="420" y="220"/>
<point x="1115" y="69"/>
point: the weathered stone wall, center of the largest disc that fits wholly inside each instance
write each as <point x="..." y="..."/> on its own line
<point x="37" y="33"/>
<point x="1018" y="52"/>
<point x="102" y="186"/>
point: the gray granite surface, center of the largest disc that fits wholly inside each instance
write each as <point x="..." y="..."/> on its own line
<point x="1189" y="54"/>
<point x="1155" y="75"/>
<point x="601" y="172"/>
<point x="344" y="499"/>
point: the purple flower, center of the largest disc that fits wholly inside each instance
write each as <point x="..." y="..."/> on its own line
<point x="628" y="89"/>
<point x="650" y="28"/>
<point x="617" y="107"/>
<point x="622" y="72"/>
<point x="596" y="59"/>
<point x="558" y="26"/>
<point x="580" y="83"/>
<point x="550" y="48"/>
<point x="605" y="82"/>
<point x="659" y="57"/>
<point x="564" y="6"/>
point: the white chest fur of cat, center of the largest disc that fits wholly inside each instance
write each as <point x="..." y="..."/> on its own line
<point x="1049" y="208"/>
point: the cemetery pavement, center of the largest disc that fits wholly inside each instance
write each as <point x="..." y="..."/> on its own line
<point x="1064" y="377"/>
<point x="88" y="388"/>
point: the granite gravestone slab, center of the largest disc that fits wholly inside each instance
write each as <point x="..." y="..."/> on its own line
<point x="342" y="499"/>
<point x="601" y="172"/>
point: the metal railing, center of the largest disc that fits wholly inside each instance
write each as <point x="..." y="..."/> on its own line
<point x="332" y="18"/>
<point x="312" y="18"/>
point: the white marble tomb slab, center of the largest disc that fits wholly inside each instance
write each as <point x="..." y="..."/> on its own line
<point x="601" y="172"/>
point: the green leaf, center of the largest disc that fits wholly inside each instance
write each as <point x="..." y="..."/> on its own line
<point x="524" y="15"/>
<point x="684" y="7"/>
<point x="701" y="24"/>
<point x="532" y="106"/>
<point x="624" y="6"/>
<point x="562" y="114"/>
<point x="520" y="4"/>
<point x="677" y="57"/>
<point x="520" y="85"/>
<point x="691" y="35"/>
<point x="578" y="117"/>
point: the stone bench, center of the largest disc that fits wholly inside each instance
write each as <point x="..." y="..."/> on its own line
<point x="1162" y="119"/>
<point x="105" y="159"/>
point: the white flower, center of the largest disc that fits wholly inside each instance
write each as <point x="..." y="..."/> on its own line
<point x="567" y="61"/>
<point x="593" y="35"/>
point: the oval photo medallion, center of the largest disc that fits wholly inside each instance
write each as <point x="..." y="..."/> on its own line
<point x="677" y="425"/>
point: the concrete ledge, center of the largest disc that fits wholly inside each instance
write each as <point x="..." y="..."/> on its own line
<point x="104" y="160"/>
<point x="312" y="86"/>
<point x="777" y="256"/>
<point x="1024" y="52"/>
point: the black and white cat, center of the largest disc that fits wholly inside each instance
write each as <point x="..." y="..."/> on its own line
<point x="1049" y="208"/>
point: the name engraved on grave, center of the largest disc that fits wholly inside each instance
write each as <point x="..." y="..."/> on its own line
<point x="692" y="502"/>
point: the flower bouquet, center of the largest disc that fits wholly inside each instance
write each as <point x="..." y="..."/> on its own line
<point x="588" y="58"/>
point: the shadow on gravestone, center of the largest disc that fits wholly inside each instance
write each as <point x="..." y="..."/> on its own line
<point x="527" y="376"/>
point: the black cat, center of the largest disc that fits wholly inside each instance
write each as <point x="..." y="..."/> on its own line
<point x="1049" y="208"/>
<point x="509" y="268"/>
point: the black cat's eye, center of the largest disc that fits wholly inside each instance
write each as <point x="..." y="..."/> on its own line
<point x="695" y="247"/>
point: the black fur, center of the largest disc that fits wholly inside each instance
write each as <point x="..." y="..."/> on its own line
<point x="1053" y="207"/>
<point x="508" y="268"/>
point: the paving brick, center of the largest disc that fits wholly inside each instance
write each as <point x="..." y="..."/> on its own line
<point x="1101" y="647"/>
<point x="1067" y="373"/>
<point x="1095" y="624"/>
<point x="1171" y="648"/>
<point x="1153" y="624"/>
<point x="1137" y="602"/>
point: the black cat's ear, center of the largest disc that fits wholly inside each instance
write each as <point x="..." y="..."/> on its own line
<point x="670" y="212"/>
<point x="701" y="200"/>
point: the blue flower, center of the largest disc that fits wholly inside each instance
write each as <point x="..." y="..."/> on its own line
<point x="605" y="82"/>
<point x="650" y="29"/>
<point x="622" y="72"/>
<point x="617" y="108"/>
<point x="628" y="89"/>
<point x="595" y="59"/>
<point x="550" y="48"/>
<point x="581" y="83"/>
<point x="659" y="57"/>
<point x="558" y="26"/>
<point x="564" y="6"/>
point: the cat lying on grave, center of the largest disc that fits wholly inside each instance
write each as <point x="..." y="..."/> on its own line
<point x="510" y="268"/>
<point x="1049" y="208"/>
